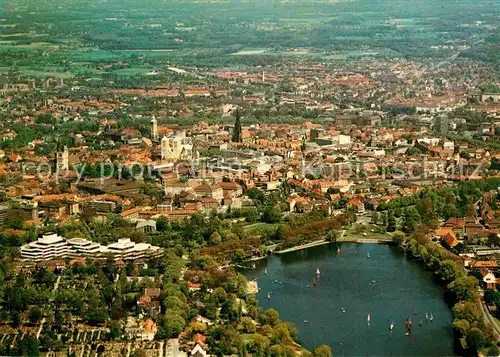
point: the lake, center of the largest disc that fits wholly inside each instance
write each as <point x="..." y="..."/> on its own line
<point x="388" y="286"/>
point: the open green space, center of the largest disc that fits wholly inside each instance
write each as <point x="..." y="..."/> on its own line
<point x="238" y="34"/>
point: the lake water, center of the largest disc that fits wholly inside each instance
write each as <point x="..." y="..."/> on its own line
<point x="388" y="286"/>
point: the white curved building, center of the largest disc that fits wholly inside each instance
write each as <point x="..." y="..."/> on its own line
<point x="51" y="246"/>
<point x="48" y="247"/>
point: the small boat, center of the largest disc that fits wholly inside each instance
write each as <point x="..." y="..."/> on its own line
<point x="415" y="313"/>
<point x="368" y="255"/>
<point x="369" y="318"/>
<point x="431" y="318"/>
<point x="281" y="282"/>
<point x="318" y="272"/>
<point x="265" y="271"/>
<point x="391" y="326"/>
<point x="409" y="324"/>
<point x="343" y="310"/>
<point x="420" y="323"/>
<point x="254" y="266"/>
<point x="305" y="321"/>
<point x="276" y="281"/>
<point x="338" y="250"/>
<point x="314" y="282"/>
<point x="426" y="316"/>
<point x="268" y="295"/>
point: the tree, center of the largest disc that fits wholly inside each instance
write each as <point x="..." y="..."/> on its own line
<point x="272" y="317"/>
<point x="35" y="314"/>
<point x="322" y="351"/>
<point x="332" y="235"/>
<point x="173" y="324"/>
<point x="449" y="210"/>
<point x="391" y="222"/>
<point x="384" y="218"/>
<point x="492" y="298"/>
<point x="469" y="311"/>
<point x="476" y="339"/>
<point x="493" y="351"/>
<point x="215" y="238"/>
<point x="448" y="270"/>
<point x="271" y="214"/>
<point x="248" y="325"/>
<point x="375" y="217"/>
<point x="237" y="127"/>
<point x="161" y="224"/>
<point x="397" y="238"/>
<point x="411" y="219"/>
<point x="461" y="326"/>
<point x="464" y="288"/>
<point x="28" y="346"/>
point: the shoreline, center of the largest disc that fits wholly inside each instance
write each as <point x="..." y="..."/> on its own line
<point x="323" y="242"/>
<point x="302" y="246"/>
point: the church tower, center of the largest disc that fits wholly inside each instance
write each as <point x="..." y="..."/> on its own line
<point x="154" y="129"/>
<point x="62" y="159"/>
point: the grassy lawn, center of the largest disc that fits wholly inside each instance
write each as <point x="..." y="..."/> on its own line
<point x="357" y="230"/>
<point x="260" y="227"/>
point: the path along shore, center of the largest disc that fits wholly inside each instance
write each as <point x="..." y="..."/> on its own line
<point x="343" y="240"/>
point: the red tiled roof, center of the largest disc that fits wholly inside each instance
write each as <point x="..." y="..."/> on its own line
<point x="450" y="239"/>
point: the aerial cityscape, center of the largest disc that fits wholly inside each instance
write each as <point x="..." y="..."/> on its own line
<point x="268" y="178"/>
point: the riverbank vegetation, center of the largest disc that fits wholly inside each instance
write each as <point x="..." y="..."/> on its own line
<point x="462" y="289"/>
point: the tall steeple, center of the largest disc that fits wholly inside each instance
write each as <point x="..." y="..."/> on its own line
<point x="237" y="127"/>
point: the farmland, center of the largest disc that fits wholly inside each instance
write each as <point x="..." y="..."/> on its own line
<point x="86" y="37"/>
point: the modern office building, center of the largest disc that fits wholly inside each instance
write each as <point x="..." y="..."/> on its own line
<point x="52" y="246"/>
<point x="125" y="249"/>
<point x="84" y="247"/>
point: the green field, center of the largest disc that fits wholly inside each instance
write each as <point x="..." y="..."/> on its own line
<point x="260" y="227"/>
<point x="153" y="34"/>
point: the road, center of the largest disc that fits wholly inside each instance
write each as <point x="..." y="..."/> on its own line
<point x="490" y="320"/>
<point x="172" y="349"/>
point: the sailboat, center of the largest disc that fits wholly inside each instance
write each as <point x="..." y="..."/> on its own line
<point x="318" y="272"/>
<point x="268" y="295"/>
<point x="369" y="319"/>
<point x="265" y="271"/>
<point x="426" y="316"/>
<point x="391" y="326"/>
<point x="368" y="255"/>
<point x="431" y="318"/>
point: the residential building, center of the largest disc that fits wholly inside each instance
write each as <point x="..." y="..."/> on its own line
<point x="142" y="331"/>
<point x="489" y="279"/>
